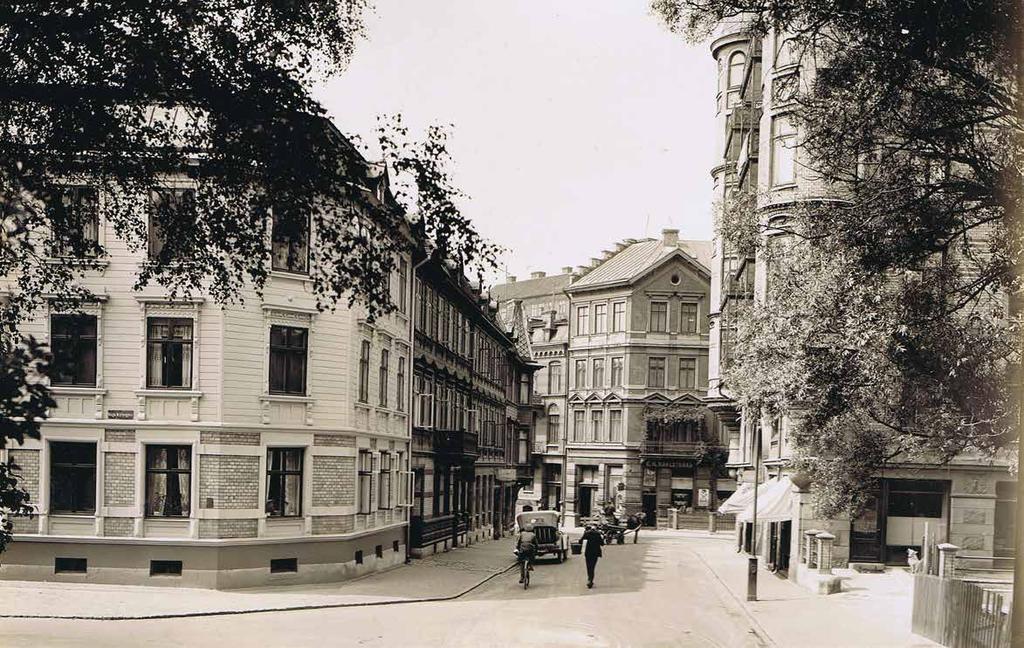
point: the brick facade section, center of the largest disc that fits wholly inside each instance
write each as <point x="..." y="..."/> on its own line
<point x="230" y="438"/>
<point x="232" y="481"/>
<point x="28" y="472"/>
<point x="25" y="524"/>
<point x="330" y="524"/>
<point x="118" y="527"/>
<point x="336" y="440"/>
<point x="227" y="528"/>
<point x="334" y="481"/>
<point x="119" y="479"/>
<point x="119" y="436"/>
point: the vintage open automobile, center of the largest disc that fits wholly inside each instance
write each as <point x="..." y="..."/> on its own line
<point x="550" y="539"/>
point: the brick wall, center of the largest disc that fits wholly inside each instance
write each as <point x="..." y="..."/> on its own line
<point x="28" y="471"/>
<point x="119" y="436"/>
<point x="119" y="479"/>
<point x="230" y="438"/>
<point x="329" y="524"/>
<point x="337" y="440"/>
<point x="227" y="528"/>
<point x="232" y="481"/>
<point x="118" y="527"/>
<point x="334" y="481"/>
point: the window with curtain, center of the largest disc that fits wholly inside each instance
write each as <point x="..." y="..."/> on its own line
<point x="290" y="241"/>
<point x="598" y="378"/>
<point x="600" y="318"/>
<point x="73" y="344"/>
<point x="284" y="482"/>
<point x="382" y="380"/>
<point x="168" y="480"/>
<point x="169" y="353"/>
<point x="579" y="425"/>
<point x="581" y="374"/>
<point x="619" y="316"/>
<point x="688" y="317"/>
<point x="288" y="355"/>
<point x="617" y="368"/>
<point x="364" y="372"/>
<point x="659" y="317"/>
<point x="73" y="478"/>
<point x="74" y="215"/>
<point x="656" y="372"/>
<point x="687" y="373"/>
<point x="783" y="151"/>
<point x="615" y="426"/>
<point x="554" y="425"/>
<point x="555" y="378"/>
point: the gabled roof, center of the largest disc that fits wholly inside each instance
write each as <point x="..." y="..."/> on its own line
<point x="527" y="288"/>
<point x="634" y="260"/>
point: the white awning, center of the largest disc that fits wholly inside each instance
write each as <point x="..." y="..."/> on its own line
<point x="774" y="503"/>
<point x="738" y="500"/>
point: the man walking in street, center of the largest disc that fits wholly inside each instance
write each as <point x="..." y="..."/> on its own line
<point x="592" y="542"/>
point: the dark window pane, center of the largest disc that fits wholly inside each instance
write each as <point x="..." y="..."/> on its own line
<point x="73" y="477"/>
<point x="168" y="485"/>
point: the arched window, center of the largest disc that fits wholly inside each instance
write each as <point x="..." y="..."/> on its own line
<point x="554" y="424"/>
<point x="555" y="378"/>
<point x="735" y="78"/>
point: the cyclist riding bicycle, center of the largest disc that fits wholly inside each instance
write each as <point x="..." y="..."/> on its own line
<point x="526" y="548"/>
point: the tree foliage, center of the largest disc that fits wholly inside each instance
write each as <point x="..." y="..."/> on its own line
<point x="141" y="99"/>
<point x="891" y="323"/>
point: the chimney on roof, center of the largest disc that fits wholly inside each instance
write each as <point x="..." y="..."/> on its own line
<point x="538" y="275"/>
<point x="510" y="279"/>
<point x="582" y="270"/>
<point x="567" y="270"/>
<point x="607" y="254"/>
<point x="594" y="262"/>
<point x="670" y="237"/>
<point x="620" y="246"/>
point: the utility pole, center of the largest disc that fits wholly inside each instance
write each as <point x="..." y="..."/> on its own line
<point x="752" y="560"/>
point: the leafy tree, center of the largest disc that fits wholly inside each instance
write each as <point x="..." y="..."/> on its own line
<point x="141" y="99"/>
<point x="891" y="324"/>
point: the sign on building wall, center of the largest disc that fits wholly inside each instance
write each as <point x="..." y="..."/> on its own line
<point x="704" y="497"/>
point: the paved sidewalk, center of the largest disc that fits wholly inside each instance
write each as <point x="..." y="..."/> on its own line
<point x="438" y="577"/>
<point x="872" y="610"/>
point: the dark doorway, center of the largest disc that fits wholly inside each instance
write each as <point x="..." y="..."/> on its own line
<point x="586" y="502"/>
<point x="650" y="506"/>
<point x="866" y="533"/>
<point x="781" y="533"/>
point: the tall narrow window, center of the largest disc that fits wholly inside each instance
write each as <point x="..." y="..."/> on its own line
<point x="400" y="394"/>
<point x="601" y="318"/>
<point x="169" y="353"/>
<point x="73" y="478"/>
<point x="783" y="151"/>
<point x="284" y="482"/>
<point x="598" y="378"/>
<point x="659" y="317"/>
<point x="382" y="386"/>
<point x="171" y="211"/>
<point x="554" y="425"/>
<point x="384" y="497"/>
<point x="615" y="426"/>
<point x="617" y="372"/>
<point x="618" y="317"/>
<point x="582" y="320"/>
<point x="687" y="373"/>
<point x="74" y="221"/>
<point x="688" y="318"/>
<point x="403" y="287"/>
<point x="73" y="342"/>
<point x="168" y="480"/>
<point x="555" y="378"/>
<point x="365" y="481"/>
<point x="597" y="425"/>
<point x="288" y="353"/>
<point x="735" y="81"/>
<point x="656" y="372"/>
<point x="290" y="241"/>
<point x="579" y="425"/>
<point x="581" y="374"/>
<point x="364" y="372"/>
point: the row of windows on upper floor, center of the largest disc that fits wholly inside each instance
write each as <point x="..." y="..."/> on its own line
<point x="74" y="214"/>
<point x="170" y="350"/>
<point x="383" y="481"/>
<point x="656" y="373"/>
<point x="731" y="71"/>
<point x="444" y="405"/>
<point x="658" y="321"/>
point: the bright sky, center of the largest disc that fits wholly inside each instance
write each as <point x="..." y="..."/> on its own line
<point x="577" y="123"/>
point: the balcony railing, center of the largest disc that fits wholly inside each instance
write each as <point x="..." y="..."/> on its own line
<point x="456" y="443"/>
<point x="668" y="448"/>
<point x="424" y="532"/>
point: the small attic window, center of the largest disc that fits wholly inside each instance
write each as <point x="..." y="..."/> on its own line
<point x="674" y="279"/>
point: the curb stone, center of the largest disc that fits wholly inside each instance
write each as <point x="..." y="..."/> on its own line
<point x="759" y="631"/>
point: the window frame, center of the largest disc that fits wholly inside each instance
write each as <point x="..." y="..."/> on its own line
<point x="283" y="473"/>
<point x="186" y="510"/>
<point x="597" y="373"/>
<point x="74" y="339"/>
<point x="621" y="372"/>
<point x="292" y="245"/>
<point x="171" y="322"/>
<point x="555" y="386"/>
<point x="74" y="467"/>
<point x="689" y="315"/>
<point x="600" y="318"/>
<point x="650" y="320"/>
<point x="400" y="380"/>
<point x="382" y="378"/>
<point x="58" y="246"/>
<point x="363" y="395"/>
<point x="580" y="364"/>
<point x="583" y="320"/>
<point x="688" y="365"/>
<point x="778" y="142"/>
<point x="615" y="431"/>
<point x="155" y="239"/>
<point x="289" y="353"/>
<point x="618" y="309"/>
<point x="651" y="367"/>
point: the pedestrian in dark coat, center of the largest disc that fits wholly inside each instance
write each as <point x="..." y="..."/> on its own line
<point x="592" y="542"/>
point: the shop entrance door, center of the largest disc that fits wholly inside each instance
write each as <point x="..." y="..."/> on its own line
<point x="586" y="501"/>
<point x="866" y="532"/>
<point x="650" y="506"/>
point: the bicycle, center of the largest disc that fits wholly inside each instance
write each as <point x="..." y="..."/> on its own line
<point x="525" y="567"/>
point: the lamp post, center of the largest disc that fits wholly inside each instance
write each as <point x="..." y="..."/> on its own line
<point x="752" y="560"/>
